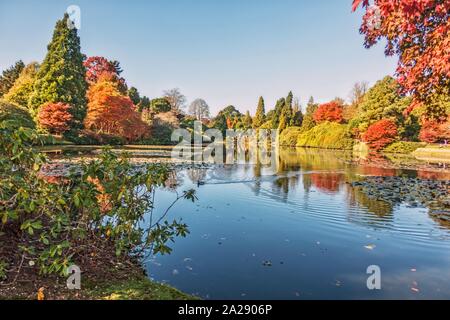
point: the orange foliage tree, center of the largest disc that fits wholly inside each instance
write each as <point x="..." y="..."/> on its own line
<point x="418" y="31"/>
<point x="380" y="134"/>
<point x="55" y="117"/>
<point x="111" y="112"/>
<point x="332" y="111"/>
<point x="433" y="131"/>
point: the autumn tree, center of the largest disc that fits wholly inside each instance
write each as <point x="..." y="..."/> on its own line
<point x="176" y="99"/>
<point x="61" y="77"/>
<point x="9" y="77"/>
<point x="332" y="112"/>
<point x="417" y="31"/>
<point x="111" y="112"/>
<point x="22" y="89"/>
<point x="358" y="92"/>
<point x="260" y="116"/>
<point x="97" y="66"/>
<point x="382" y="101"/>
<point x="380" y="134"/>
<point x="199" y="109"/>
<point x="55" y="117"/>
<point x="433" y="131"/>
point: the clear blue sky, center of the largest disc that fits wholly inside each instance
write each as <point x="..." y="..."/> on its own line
<point x="227" y="52"/>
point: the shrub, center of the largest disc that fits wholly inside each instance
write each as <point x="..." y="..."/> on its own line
<point x="289" y="136"/>
<point x="403" y="147"/>
<point x="332" y="112"/>
<point x="12" y="112"/>
<point x="328" y="135"/>
<point x="63" y="219"/>
<point x="380" y="134"/>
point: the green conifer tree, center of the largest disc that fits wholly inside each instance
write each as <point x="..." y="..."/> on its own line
<point x="260" y="116"/>
<point x="61" y="77"/>
<point x="9" y="77"/>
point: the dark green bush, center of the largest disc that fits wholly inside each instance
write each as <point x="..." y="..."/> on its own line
<point x="404" y="147"/>
<point x="14" y="113"/>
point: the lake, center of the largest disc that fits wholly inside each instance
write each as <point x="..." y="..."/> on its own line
<point x="297" y="230"/>
<point x="301" y="231"/>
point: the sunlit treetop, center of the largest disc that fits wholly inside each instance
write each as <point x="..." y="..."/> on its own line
<point x="418" y="31"/>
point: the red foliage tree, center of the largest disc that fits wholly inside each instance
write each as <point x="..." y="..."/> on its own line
<point x="96" y="66"/>
<point x="432" y="131"/>
<point x="418" y="31"/>
<point x="380" y="134"/>
<point x="332" y="111"/>
<point x="55" y="117"/>
<point x="111" y="112"/>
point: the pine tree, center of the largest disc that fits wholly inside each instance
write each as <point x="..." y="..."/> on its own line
<point x="287" y="110"/>
<point x="61" y="77"/>
<point x="297" y="114"/>
<point x="22" y="89"/>
<point x="278" y="112"/>
<point x="247" y="120"/>
<point x="9" y="76"/>
<point x="134" y="95"/>
<point x="308" y="120"/>
<point x="260" y="116"/>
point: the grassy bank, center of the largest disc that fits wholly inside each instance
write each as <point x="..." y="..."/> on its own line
<point x="137" y="288"/>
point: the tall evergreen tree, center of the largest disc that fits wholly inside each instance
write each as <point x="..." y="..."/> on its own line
<point x="308" y="120"/>
<point x="247" y="120"/>
<point x="260" y="116"/>
<point x="288" y="110"/>
<point x="61" y="77"/>
<point x="297" y="114"/>
<point x="279" y="106"/>
<point x="134" y="95"/>
<point x="9" y="76"/>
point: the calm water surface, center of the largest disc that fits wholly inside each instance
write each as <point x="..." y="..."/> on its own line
<point x="300" y="232"/>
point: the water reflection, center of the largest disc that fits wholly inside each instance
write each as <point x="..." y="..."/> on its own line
<point x="305" y="217"/>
